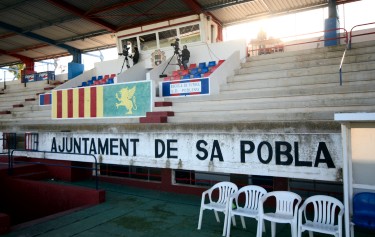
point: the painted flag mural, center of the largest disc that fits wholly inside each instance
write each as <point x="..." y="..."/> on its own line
<point x="117" y="100"/>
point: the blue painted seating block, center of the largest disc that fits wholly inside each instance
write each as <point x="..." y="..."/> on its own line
<point x="364" y="210"/>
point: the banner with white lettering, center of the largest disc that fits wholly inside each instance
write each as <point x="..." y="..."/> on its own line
<point x="197" y="86"/>
<point x="307" y="156"/>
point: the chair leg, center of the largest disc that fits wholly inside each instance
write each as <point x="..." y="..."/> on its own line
<point x="200" y="219"/>
<point x="311" y="234"/>
<point x="260" y="226"/>
<point x="299" y="231"/>
<point x="293" y="227"/>
<point x="229" y="225"/>
<point x="273" y="229"/>
<point x="243" y="222"/>
<point x="264" y="227"/>
<point x="234" y="221"/>
<point x="225" y="224"/>
<point x="217" y="216"/>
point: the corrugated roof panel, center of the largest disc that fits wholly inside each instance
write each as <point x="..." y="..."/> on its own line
<point x="95" y="42"/>
<point x="43" y="10"/>
<point x="61" y="24"/>
<point x="17" y="42"/>
<point x="87" y="5"/>
<point x="54" y="33"/>
<point x="240" y="11"/>
<point x="18" y="19"/>
<point x="68" y="30"/>
<point x="80" y="26"/>
<point x="6" y="59"/>
<point x="42" y="52"/>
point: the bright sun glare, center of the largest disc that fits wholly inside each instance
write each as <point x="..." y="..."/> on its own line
<point x="303" y="22"/>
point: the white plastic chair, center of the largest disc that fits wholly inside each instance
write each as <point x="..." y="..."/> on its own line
<point x="250" y="206"/>
<point x="225" y="190"/>
<point x="327" y="216"/>
<point x="286" y="211"/>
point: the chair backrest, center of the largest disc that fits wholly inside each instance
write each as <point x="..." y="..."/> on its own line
<point x="285" y="202"/>
<point x="226" y="189"/>
<point x="253" y="194"/>
<point x="326" y="209"/>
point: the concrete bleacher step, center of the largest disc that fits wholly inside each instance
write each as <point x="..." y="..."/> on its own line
<point x="295" y="86"/>
<point x="295" y="114"/>
<point x="255" y="117"/>
<point x="310" y="55"/>
<point x="31" y="108"/>
<point x="302" y="102"/>
<point x="279" y="92"/>
<point x="321" y="70"/>
<point x="333" y="78"/>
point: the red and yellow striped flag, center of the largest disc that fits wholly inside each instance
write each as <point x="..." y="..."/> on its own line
<point x="85" y="102"/>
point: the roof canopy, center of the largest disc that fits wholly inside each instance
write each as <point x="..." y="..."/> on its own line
<point x="41" y="29"/>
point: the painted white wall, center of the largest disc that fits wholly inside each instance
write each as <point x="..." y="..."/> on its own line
<point x="184" y="152"/>
<point x="363" y="155"/>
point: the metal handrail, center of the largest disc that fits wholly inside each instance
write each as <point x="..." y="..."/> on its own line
<point x="345" y="36"/>
<point x="11" y="161"/>
<point x="341" y="63"/>
<point x="351" y="33"/>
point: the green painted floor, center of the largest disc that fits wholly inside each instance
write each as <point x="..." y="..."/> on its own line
<point x="136" y="212"/>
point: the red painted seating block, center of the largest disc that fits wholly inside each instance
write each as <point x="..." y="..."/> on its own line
<point x="163" y="104"/>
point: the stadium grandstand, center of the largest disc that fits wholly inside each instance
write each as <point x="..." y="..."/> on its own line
<point x="129" y="147"/>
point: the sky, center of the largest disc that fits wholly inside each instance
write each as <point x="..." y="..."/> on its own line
<point x="350" y="14"/>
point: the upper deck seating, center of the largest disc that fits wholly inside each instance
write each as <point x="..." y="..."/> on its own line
<point x="203" y="70"/>
<point x="99" y="80"/>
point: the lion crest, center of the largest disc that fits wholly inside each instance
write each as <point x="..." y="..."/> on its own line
<point x="126" y="98"/>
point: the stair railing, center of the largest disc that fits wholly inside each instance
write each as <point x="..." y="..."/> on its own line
<point x="349" y="44"/>
<point x="341" y="63"/>
<point x="279" y="44"/>
<point x="362" y="34"/>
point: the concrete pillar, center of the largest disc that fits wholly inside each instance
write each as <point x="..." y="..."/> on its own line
<point x="75" y="68"/>
<point x="330" y="24"/>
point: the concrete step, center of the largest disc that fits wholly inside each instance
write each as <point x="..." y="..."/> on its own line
<point x="333" y="78"/>
<point x="294" y="114"/>
<point x="32" y="114"/>
<point x="322" y="70"/>
<point x="302" y="54"/>
<point x="335" y="62"/>
<point x="17" y="86"/>
<point x="248" y="117"/>
<point x="278" y="92"/>
<point x="48" y="121"/>
<point x="298" y="102"/>
<point x="306" y="55"/>
<point x="31" y="108"/>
